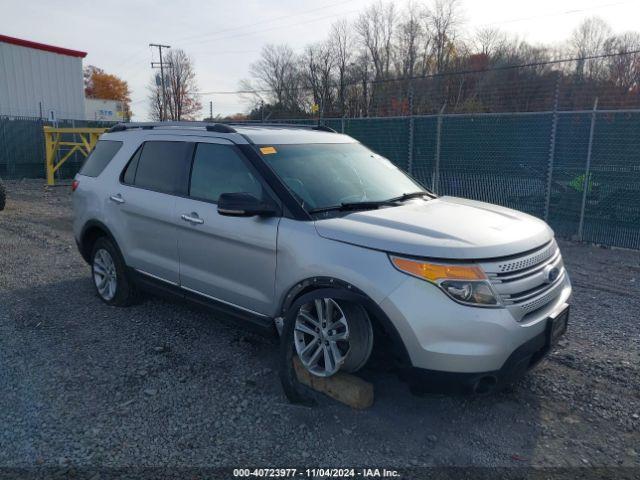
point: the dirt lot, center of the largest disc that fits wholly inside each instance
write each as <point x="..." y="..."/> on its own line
<point x="161" y="384"/>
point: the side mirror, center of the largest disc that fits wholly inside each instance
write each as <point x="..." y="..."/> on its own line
<point x="244" y="205"/>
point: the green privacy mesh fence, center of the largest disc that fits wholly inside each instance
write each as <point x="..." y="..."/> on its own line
<point x="22" y="147"/>
<point x="579" y="170"/>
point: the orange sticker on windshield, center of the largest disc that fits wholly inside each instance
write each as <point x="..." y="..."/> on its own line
<point x="268" y="150"/>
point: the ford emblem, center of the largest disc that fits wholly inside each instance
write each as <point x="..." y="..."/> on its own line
<point x="551" y="273"/>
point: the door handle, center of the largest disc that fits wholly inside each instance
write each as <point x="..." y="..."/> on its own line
<point x="117" y="198"/>
<point x="193" y="218"/>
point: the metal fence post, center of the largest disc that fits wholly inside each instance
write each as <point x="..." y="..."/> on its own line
<point x="587" y="170"/>
<point x="552" y="149"/>
<point x="411" y="122"/>
<point x="435" y="179"/>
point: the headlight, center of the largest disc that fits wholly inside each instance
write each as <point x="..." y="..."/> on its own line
<point x="464" y="283"/>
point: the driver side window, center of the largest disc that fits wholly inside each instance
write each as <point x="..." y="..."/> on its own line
<point x="220" y="169"/>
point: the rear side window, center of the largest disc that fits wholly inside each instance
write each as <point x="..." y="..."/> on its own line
<point x="129" y="174"/>
<point x="162" y="166"/>
<point x="220" y="169"/>
<point x="100" y="157"/>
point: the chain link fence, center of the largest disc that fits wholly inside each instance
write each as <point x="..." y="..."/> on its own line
<point x="579" y="170"/>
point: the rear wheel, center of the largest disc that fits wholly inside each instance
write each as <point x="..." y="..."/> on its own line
<point x="110" y="275"/>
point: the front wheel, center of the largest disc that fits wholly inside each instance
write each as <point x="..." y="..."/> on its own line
<point x="110" y="275"/>
<point x="328" y="335"/>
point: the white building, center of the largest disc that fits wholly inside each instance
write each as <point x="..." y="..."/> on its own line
<point x="38" y="80"/>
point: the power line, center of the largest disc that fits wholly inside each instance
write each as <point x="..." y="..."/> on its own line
<point x="554" y="14"/>
<point x="261" y="22"/>
<point x="244" y="34"/>
<point x="444" y="74"/>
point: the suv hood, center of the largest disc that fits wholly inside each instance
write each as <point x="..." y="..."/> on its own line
<point x="446" y="228"/>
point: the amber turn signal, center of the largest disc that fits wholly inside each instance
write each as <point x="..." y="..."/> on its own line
<point x="434" y="271"/>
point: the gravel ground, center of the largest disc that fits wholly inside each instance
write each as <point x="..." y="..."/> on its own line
<point x="161" y="384"/>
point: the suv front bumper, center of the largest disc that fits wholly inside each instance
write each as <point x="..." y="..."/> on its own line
<point x="453" y="344"/>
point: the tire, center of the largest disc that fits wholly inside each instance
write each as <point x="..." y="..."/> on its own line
<point x="109" y="275"/>
<point x="360" y="340"/>
<point x="3" y="196"/>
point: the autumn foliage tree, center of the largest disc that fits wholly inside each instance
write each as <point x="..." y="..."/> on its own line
<point x="105" y="86"/>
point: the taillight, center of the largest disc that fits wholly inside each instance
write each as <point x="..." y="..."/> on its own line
<point x="74" y="185"/>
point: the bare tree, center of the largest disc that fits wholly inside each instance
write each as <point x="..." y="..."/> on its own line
<point x="155" y="99"/>
<point x="489" y="41"/>
<point x="410" y="39"/>
<point x="277" y="71"/>
<point x="360" y="93"/>
<point x="317" y="70"/>
<point x="624" y="68"/>
<point x="181" y="91"/>
<point x="341" y="48"/>
<point x="589" y="39"/>
<point x="442" y="22"/>
<point x="375" y="28"/>
<point x="354" y="72"/>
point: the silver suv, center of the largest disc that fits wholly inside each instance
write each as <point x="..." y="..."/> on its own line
<point x="306" y="232"/>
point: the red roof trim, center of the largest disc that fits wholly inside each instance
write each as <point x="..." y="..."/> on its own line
<point x="42" y="46"/>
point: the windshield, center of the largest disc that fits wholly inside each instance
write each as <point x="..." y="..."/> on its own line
<point x="325" y="175"/>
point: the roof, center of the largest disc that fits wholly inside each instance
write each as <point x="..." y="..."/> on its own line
<point x="286" y="134"/>
<point x="261" y="134"/>
<point x="42" y="46"/>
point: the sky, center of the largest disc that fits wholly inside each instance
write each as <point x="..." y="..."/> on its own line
<point x="224" y="37"/>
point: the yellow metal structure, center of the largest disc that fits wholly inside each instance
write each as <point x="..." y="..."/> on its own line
<point x="59" y="139"/>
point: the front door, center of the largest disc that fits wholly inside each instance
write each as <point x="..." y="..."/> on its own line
<point x="229" y="259"/>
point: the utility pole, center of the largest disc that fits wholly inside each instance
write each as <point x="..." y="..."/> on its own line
<point x="161" y="66"/>
<point x="211" y="110"/>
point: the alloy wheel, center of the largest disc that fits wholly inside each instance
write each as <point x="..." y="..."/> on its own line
<point x="321" y="337"/>
<point x="104" y="274"/>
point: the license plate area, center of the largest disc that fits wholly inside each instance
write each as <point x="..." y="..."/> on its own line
<point x="557" y="326"/>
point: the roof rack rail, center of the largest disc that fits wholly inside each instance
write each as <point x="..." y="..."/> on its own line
<point x="209" y="126"/>
<point x="322" y="128"/>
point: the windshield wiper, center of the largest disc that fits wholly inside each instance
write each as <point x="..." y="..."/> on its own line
<point x="370" y="205"/>
<point x="349" y="206"/>
<point x="409" y="196"/>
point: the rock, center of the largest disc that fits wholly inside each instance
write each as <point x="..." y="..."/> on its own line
<point x="150" y="392"/>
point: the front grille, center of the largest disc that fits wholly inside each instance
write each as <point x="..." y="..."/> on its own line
<point x="522" y="282"/>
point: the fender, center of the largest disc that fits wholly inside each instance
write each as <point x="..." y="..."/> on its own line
<point x="86" y="255"/>
<point x="322" y="287"/>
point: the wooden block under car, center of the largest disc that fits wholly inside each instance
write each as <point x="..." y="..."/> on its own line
<point x="346" y="388"/>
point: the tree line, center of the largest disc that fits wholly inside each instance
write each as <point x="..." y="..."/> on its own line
<point x="421" y="59"/>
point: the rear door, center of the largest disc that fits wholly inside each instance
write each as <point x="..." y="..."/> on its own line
<point x="143" y="205"/>
<point x="229" y="259"/>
